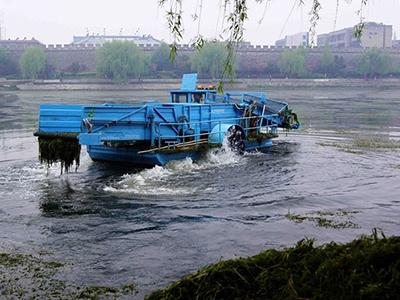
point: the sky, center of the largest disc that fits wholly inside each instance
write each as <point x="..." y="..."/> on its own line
<point x="57" y="21"/>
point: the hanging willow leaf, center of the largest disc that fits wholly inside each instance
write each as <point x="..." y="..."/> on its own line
<point x="314" y="18"/>
<point x="172" y="52"/>
<point x="199" y="42"/>
<point x="236" y="17"/>
<point x="358" y="30"/>
<point x="220" y="87"/>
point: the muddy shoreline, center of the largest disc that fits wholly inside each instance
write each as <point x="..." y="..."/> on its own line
<point x="163" y="84"/>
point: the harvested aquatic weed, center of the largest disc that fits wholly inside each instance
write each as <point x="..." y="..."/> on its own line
<point x="356" y="145"/>
<point x="376" y="143"/>
<point x="59" y="149"/>
<point x="28" y="277"/>
<point x="366" y="268"/>
<point x="105" y="292"/>
<point x="338" y="219"/>
<point x="342" y="146"/>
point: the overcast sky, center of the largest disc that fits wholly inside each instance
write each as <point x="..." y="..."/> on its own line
<point x="57" y="21"/>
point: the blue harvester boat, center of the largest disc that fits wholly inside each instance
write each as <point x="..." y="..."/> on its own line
<point x="151" y="134"/>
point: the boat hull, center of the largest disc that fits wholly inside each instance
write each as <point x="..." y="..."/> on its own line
<point x="158" y="158"/>
<point x="132" y="157"/>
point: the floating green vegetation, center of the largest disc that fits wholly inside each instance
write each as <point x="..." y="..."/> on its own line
<point x="356" y="145"/>
<point x="59" y="149"/>
<point x="352" y="151"/>
<point x="95" y="292"/>
<point x="342" y="131"/>
<point x="366" y="268"/>
<point x="345" y="147"/>
<point x="12" y="260"/>
<point x="29" y="277"/>
<point x="376" y="143"/>
<point x="338" y="220"/>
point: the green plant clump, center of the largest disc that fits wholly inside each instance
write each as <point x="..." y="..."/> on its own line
<point x="59" y="149"/>
<point x="376" y="143"/>
<point x="338" y="220"/>
<point x="120" y="60"/>
<point x="366" y="268"/>
<point x="33" y="62"/>
<point x="24" y="276"/>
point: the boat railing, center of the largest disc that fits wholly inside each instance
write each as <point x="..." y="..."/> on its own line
<point x="187" y="139"/>
<point x="211" y="97"/>
<point x="274" y="106"/>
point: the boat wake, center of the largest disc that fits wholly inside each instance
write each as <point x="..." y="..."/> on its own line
<point x="167" y="180"/>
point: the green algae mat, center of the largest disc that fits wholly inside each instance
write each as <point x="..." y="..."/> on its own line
<point x="25" y="276"/>
<point x="366" y="268"/>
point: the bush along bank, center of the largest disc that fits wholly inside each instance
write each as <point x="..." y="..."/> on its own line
<point x="366" y="268"/>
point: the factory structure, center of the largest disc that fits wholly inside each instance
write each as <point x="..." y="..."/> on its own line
<point x="375" y="35"/>
<point x="294" y="40"/>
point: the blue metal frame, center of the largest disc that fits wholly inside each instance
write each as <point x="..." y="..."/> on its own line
<point x="120" y="132"/>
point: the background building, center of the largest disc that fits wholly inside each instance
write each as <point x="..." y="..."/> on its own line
<point x="377" y="35"/>
<point x="18" y="44"/>
<point x="374" y="35"/>
<point x="99" y="40"/>
<point x="298" y="39"/>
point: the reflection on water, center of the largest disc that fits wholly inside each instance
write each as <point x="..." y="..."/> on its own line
<point x="113" y="225"/>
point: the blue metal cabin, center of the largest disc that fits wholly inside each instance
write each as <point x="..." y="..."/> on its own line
<point x="151" y="134"/>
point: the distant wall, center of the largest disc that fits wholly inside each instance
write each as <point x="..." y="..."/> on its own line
<point x="250" y="59"/>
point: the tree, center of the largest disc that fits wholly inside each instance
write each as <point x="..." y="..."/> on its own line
<point x="374" y="62"/>
<point x="293" y="62"/>
<point x="49" y="72"/>
<point x="76" y="68"/>
<point x="160" y="58"/>
<point x="339" y="65"/>
<point x="7" y="66"/>
<point x="32" y="62"/>
<point x="209" y="60"/>
<point x="327" y="61"/>
<point x="120" y="60"/>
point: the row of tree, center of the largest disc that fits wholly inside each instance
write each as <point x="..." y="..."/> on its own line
<point x="32" y="64"/>
<point x="7" y="65"/>
<point x="120" y="60"/>
<point x="373" y="62"/>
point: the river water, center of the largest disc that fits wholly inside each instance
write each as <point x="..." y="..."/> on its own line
<point x="113" y="225"/>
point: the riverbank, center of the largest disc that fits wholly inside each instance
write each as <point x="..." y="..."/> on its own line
<point x="366" y="268"/>
<point x="91" y="84"/>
